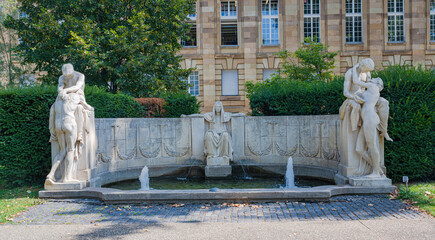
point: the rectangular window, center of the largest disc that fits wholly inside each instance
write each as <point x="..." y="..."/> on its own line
<point x="193" y="81"/>
<point x="190" y="40"/>
<point x="432" y="20"/>
<point x="353" y="21"/>
<point x="230" y="83"/>
<point x="312" y="19"/>
<point x="191" y="37"/>
<point x="267" y="73"/>
<point x="229" y="23"/>
<point x="396" y="19"/>
<point x="270" y="25"/>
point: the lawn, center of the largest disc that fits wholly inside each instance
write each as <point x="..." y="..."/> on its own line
<point x="16" y="200"/>
<point x="420" y="194"/>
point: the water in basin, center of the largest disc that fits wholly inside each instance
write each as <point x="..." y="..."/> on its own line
<point x="202" y="183"/>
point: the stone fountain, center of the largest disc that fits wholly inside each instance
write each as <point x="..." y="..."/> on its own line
<point x="340" y="148"/>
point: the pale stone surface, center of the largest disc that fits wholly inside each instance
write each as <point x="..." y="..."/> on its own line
<point x="165" y="145"/>
<point x="214" y="171"/>
<point x="370" y="182"/>
<point x="72" y="131"/>
<point x="364" y="120"/>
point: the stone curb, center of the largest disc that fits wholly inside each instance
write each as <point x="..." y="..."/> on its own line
<point x="110" y="196"/>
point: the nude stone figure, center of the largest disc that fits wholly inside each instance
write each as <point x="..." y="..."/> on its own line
<point x="67" y="122"/>
<point x="369" y="136"/>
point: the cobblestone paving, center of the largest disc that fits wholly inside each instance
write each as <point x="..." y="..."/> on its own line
<point x="342" y="208"/>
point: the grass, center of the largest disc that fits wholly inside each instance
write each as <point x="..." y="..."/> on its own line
<point x="421" y="195"/>
<point x="16" y="200"/>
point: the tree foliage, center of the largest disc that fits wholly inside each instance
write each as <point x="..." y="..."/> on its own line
<point x="311" y="62"/>
<point x="131" y="44"/>
<point x="11" y="69"/>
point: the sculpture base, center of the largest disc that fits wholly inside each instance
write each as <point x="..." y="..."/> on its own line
<point x="218" y="161"/>
<point x="50" y="185"/>
<point x="218" y="171"/>
<point x="370" y="182"/>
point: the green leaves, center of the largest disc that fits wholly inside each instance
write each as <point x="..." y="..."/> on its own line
<point x="311" y="62"/>
<point x="130" y="44"/>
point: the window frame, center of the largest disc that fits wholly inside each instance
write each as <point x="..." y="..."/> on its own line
<point x="192" y="20"/>
<point x="432" y="21"/>
<point x="222" y="82"/>
<point x="269" y="17"/>
<point x="190" y="80"/>
<point x="354" y="15"/>
<point x="312" y="16"/>
<point x="395" y="14"/>
<point x="229" y="20"/>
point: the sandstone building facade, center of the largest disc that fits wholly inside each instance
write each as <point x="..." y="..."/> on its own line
<point x="236" y="41"/>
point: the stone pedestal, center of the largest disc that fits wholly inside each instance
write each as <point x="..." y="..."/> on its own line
<point x="50" y="185"/>
<point x="370" y="182"/>
<point x="217" y="171"/>
<point x="218" y="161"/>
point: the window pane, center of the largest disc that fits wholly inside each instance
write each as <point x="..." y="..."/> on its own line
<point x="307" y="7"/>
<point x="191" y="37"/>
<point x="229" y="34"/>
<point x="233" y="9"/>
<point x="193" y="81"/>
<point x="357" y="6"/>
<point x="274" y="7"/>
<point x="348" y="6"/>
<point x="224" y="9"/>
<point x="432" y="5"/>
<point x="267" y="73"/>
<point x="399" y="5"/>
<point x="316" y="6"/>
<point x="432" y="27"/>
<point x="230" y="83"/>
<point x="265" y="8"/>
<point x="390" y="6"/>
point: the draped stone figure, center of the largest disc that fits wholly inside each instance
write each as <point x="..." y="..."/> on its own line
<point x="70" y="120"/>
<point x="217" y="140"/>
<point x="362" y="132"/>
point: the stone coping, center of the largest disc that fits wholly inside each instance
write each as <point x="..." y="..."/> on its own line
<point x="113" y="196"/>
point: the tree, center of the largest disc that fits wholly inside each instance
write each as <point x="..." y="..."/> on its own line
<point x="11" y="69"/>
<point x="311" y="62"/>
<point x="129" y="44"/>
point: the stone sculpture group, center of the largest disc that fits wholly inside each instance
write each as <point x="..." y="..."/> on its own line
<point x="364" y="120"/>
<point x="363" y="117"/>
<point x="68" y="123"/>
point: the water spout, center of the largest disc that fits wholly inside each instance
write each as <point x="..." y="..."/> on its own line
<point x="144" y="179"/>
<point x="289" y="174"/>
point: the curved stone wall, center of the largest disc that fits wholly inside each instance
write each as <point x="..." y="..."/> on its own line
<point x="125" y="146"/>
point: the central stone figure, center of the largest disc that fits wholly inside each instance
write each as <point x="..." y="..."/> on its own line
<point x="217" y="140"/>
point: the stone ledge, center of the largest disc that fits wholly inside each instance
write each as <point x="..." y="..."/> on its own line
<point x="49" y="185"/>
<point x="370" y="182"/>
<point x="111" y="196"/>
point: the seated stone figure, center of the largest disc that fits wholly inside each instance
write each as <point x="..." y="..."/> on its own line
<point x="217" y="140"/>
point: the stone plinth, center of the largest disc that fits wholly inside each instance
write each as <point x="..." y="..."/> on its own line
<point x="370" y="182"/>
<point x="50" y="185"/>
<point x="218" y="161"/>
<point x="217" y="171"/>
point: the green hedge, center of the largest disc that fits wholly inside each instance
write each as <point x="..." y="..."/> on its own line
<point x="180" y="103"/>
<point x="410" y="91"/>
<point x="25" y="156"/>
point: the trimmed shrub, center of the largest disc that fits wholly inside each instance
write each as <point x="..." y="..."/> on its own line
<point x="281" y="97"/>
<point x="25" y="156"/>
<point x="410" y="91"/>
<point x="177" y="104"/>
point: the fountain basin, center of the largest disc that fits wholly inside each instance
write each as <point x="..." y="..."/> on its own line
<point x="115" y="196"/>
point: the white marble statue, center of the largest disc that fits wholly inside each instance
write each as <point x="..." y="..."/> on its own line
<point x="364" y="119"/>
<point x="69" y="117"/>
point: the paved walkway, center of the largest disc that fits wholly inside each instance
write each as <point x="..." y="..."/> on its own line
<point x="341" y="208"/>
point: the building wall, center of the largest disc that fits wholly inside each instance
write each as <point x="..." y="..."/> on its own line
<point x="251" y="57"/>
